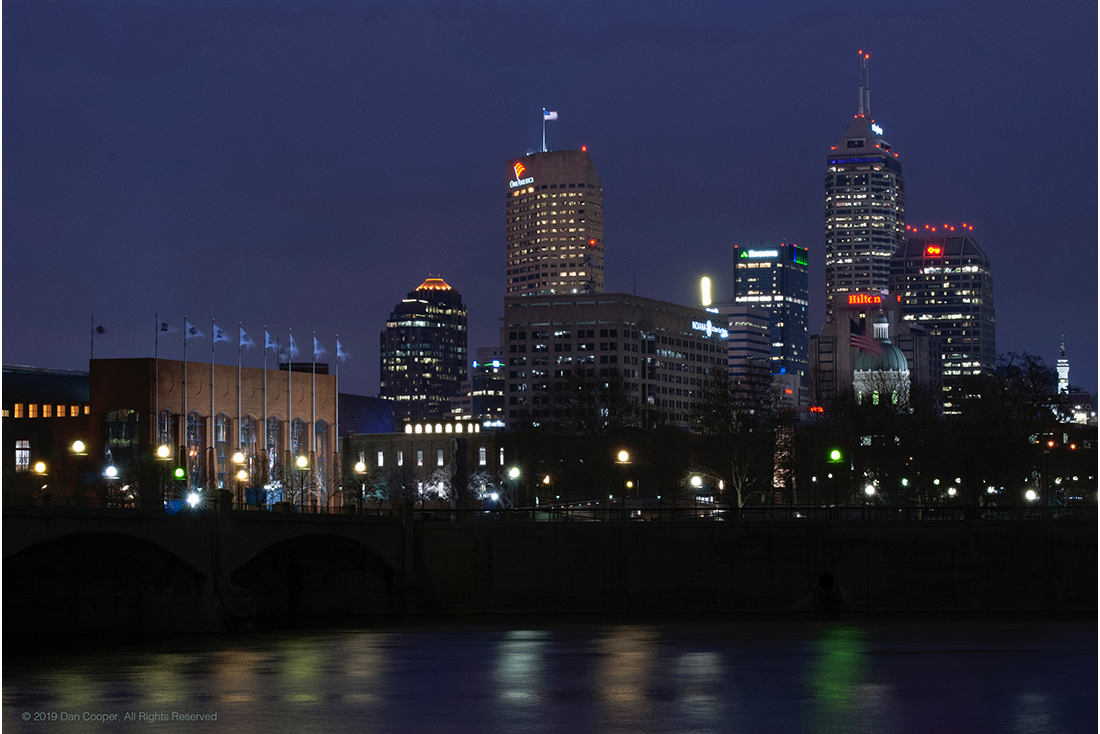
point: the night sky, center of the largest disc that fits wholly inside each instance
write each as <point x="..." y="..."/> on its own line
<point x="306" y="164"/>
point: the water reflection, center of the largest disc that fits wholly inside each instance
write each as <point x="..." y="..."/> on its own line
<point x="734" y="677"/>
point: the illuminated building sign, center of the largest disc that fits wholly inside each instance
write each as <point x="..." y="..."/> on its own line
<point x="801" y="255"/>
<point x="519" y="180"/>
<point x="862" y="299"/>
<point x="710" y="328"/>
<point x="933" y="251"/>
<point x="817" y="409"/>
<point x="760" y="253"/>
<point x="876" y="129"/>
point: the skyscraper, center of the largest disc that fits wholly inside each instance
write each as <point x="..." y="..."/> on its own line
<point x="864" y="205"/>
<point x="554" y="213"/>
<point x="946" y="286"/>
<point x="777" y="279"/>
<point x="423" y="352"/>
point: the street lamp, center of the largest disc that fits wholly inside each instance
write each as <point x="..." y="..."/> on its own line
<point x="78" y="449"/>
<point x="361" y="470"/>
<point x="239" y="459"/>
<point x="623" y="460"/>
<point x="302" y="463"/>
<point x="513" y="474"/>
<point x="835" y="457"/>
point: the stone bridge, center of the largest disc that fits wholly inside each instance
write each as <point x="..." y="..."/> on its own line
<point x="89" y="569"/>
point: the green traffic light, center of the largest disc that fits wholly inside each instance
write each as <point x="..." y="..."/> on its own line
<point x="178" y="473"/>
<point x="834" y="455"/>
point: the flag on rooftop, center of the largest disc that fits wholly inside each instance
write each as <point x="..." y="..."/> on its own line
<point x="861" y="340"/>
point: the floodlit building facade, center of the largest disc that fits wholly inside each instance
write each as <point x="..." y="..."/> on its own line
<point x="864" y="206"/>
<point x="423" y="352"/>
<point x="554" y="213"/>
<point x="945" y="282"/>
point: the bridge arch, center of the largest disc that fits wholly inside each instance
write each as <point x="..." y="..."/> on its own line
<point x="103" y="583"/>
<point x="316" y="577"/>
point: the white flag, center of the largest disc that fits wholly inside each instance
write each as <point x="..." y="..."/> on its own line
<point x="292" y="350"/>
<point x="246" y="340"/>
<point x="318" y="350"/>
<point x="192" y="331"/>
<point x="270" y="343"/>
<point x="219" y="335"/>
<point x="340" y="353"/>
<point x="549" y="114"/>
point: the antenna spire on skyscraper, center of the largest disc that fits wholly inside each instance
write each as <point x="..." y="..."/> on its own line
<point x="864" y="84"/>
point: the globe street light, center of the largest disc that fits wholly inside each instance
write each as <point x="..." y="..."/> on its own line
<point x="623" y="460"/>
<point x="302" y="463"/>
<point x="239" y="459"/>
<point x="361" y="470"/>
<point x="513" y="474"/>
<point x="78" y="449"/>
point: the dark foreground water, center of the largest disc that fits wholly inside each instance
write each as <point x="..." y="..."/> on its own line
<point x="967" y="675"/>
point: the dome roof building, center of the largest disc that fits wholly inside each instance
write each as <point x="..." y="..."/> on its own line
<point x="882" y="374"/>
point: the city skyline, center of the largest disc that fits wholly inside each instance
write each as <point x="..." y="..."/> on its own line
<point x="290" y="167"/>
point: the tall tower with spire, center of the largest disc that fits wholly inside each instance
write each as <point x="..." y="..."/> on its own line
<point x="1063" y="370"/>
<point x="864" y="205"/>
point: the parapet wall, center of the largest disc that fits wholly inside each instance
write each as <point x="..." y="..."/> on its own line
<point x="755" y="566"/>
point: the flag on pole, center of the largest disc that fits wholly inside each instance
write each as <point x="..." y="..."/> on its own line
<point x="292" y="350"/>
<point x="318" y="350"/>
<point x="100" y="330"/>
<point x="192" y="331"/>
<point x="165" y="328"/>
<point x="219" y="335"/>
<point x="341" y="355"/>
<point x="270" y="343"/>
<point x="549" y="114"/>
<point x="860" y="340"/>
<point x="246" y="340"/>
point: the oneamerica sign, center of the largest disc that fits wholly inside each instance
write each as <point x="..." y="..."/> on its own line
<point x="709" y="327"/>
<point x="521" y="182"/>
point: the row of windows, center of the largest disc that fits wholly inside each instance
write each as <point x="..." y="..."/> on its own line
<point x="399" y="457"/>
<point x="46" y="410"/>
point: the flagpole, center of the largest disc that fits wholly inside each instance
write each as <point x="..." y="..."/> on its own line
<point x="186" y="417"/>
<point x="543" y="129"/>
<point x="240" y="429"/>
<point x="290" y="394"/>
<point x="156" y="379"/>
<point x="91" y="338"/>
<point x="267" y="457"/>
<point x="337" y="394"/>
<point x="213" y="419"/>
<point x="313" y="396"/>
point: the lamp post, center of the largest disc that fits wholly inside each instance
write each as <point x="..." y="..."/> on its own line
<point x="242" y="474"/>
<point x="78" y="449"/>
<point x="623" y="460"/>
<point x="835" y="457"/>
<point x="111" y="474"/>
<point x="513" y="474"/>
<point x="696" y="483"/>
<point x="164" y="453"/>
<point x="361" y="469"/>
<point x="302" y="463"/>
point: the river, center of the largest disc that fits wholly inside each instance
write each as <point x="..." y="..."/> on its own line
<point x="854" y="674"/>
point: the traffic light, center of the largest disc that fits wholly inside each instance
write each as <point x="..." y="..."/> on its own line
<point x="179" y="473"/>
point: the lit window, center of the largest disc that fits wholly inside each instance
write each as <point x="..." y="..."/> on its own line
<point x="481" y="458"/>
<point x="420" y="457"/>
<point x="75" y="411"/>
<point x="32" y="410"/>
<point x="381" y="461"/>
<point x="400" y="458"/>
<point x="439" y="457"/>
<point x="61" y="411"/>
<point x="47" y="411"/>
<point x="502" y="456"/>
<point x="18" y="411"/>
<point x="22" y="455"/>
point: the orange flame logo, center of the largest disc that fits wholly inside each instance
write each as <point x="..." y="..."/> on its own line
<point x="520" y="168"/>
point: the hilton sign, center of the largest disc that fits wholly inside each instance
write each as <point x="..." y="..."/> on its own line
<point x="866" y="299"/>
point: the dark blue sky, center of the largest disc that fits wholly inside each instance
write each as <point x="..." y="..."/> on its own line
<point x="305" y="164"/>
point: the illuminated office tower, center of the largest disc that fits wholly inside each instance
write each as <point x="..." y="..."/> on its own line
<point x="945" y="282"/>
<point x="423" y="352"/>
<point x="554" y="211"/>
<point x="776" y="279"/>
<point x="864" y="205"/>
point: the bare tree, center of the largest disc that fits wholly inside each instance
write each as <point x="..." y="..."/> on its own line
<point x="737" y="417"/>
